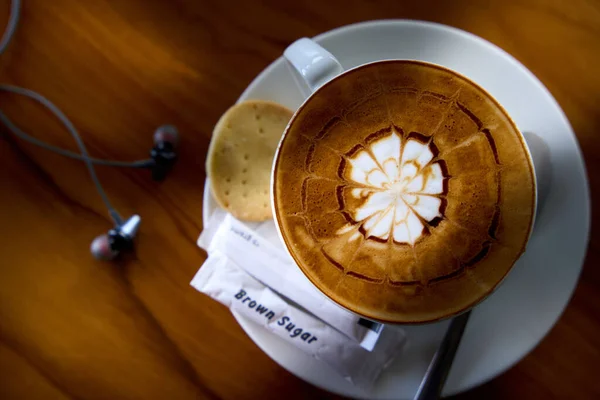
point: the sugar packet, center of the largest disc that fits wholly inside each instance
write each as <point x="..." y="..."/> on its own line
<point x="220" y="278"/>
<point x="275" y="268"/>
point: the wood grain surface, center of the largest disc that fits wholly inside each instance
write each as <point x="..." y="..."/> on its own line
<point x="71" y="327"/>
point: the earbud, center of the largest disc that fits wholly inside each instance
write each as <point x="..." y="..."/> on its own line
<point x="166" y="134"/>
<point x="108" y="246"/>
<point x="163" y="153"/>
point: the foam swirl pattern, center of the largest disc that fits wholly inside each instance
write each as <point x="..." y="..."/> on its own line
<point x="404" y="191"/>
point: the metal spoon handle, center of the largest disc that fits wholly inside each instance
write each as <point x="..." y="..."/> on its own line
<point x="437" y="372"/>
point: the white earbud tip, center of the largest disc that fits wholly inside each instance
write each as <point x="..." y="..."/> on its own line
<point x="131" y="226"/>
<point x="101" y="250"/>
<point x="166" y="133"/>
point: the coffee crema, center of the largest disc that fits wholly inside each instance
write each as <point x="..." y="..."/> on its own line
<point x="403" y="191"/>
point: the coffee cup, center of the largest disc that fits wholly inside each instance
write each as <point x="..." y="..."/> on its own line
<point x="402" y="190"/>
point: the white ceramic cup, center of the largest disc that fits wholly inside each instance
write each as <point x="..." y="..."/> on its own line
<point x="312" y="66"/>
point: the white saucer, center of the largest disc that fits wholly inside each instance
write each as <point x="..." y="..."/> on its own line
<point x="508" y="325"/>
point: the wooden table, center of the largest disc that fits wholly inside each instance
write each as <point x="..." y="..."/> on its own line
<point x="71" y="327"/>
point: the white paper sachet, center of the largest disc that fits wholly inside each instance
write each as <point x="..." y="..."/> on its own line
<point x="221" y="279"/>
<point x="276" y="269"/>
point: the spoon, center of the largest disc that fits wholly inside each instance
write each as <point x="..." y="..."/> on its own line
<point x="437" y="372"/>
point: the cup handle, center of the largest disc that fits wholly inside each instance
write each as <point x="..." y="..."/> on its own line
<point x="315" y="65"/>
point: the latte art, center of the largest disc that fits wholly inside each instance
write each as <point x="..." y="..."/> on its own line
<point x="403" y="191"/>
<point x="402" y="182"/>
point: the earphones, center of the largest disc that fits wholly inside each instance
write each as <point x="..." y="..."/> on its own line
<point x="162" y="157"/>
<point x="108" y="246"/>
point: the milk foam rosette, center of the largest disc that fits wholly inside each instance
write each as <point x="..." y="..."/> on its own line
<point x="400" y="186"/>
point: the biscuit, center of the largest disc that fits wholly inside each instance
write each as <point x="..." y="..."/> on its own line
<point x="241" y="154"/>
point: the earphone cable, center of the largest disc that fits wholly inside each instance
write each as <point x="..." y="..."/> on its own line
<point x="13" y="21"/>
<point x="11" y="27"/>
<point x="73" y="131"/>
<point x="96" y="161"/>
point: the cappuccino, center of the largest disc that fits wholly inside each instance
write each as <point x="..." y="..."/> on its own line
<point x="403" y="191"/>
